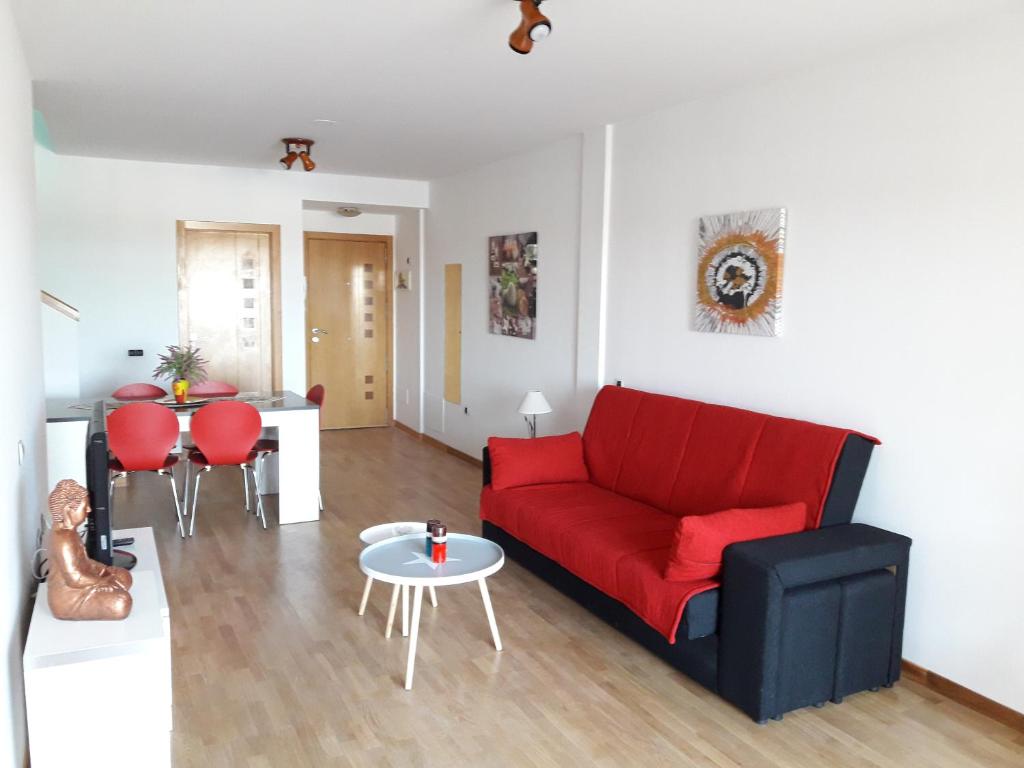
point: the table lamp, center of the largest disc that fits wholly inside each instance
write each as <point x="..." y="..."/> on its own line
<point x="533" y="403"/>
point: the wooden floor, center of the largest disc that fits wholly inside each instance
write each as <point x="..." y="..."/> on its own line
<point x="272" y="666"/>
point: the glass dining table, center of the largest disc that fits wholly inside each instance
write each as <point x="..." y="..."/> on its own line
<point x="293" y="474"/>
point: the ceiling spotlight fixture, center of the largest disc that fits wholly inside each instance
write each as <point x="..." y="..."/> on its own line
<point x="298" y="149"/>
<point x="289" y="160"/>
<point x="533" y="27"/>
<point x="349" y="212"/>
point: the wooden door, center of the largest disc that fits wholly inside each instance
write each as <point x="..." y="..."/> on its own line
<point x="348" y="327"/>
<point x="226" y="303"/>
<point x="453" y="333"/>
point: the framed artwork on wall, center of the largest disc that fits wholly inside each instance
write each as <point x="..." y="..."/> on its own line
<point x="739" y="272"/>
<point x="512" y="284"/>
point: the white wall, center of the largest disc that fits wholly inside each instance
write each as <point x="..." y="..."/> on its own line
<point x="538" y="191"/>
<point x="107" y="246"/>
<point x="21" y="487"/>
<point x="408" y="318"/>
<point x="61" y="345"/>
<point x="316" y="220"/>
<point x="903" y="175"/>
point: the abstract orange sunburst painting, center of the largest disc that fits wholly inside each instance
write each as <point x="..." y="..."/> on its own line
<point x="739" y="272"/>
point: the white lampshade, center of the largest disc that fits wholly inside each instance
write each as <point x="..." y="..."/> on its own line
<point x="534" y="403"/>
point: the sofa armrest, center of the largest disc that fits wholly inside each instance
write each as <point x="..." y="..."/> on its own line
<point x="487" y="466"/>
<point x="784" y="601"/>
<point x="823" y="555"/>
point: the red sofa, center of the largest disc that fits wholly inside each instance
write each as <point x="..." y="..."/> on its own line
<point x="652" y="459"/>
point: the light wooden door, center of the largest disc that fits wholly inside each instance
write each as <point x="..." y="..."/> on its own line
<point x="225" y="304"/>
<point x="453" y="333"/>
<point x="348" y="327"/>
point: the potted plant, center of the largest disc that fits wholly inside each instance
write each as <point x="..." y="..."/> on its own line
<point x="183" y="366"/>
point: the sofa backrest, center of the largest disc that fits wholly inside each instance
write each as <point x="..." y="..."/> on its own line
<point x="691" y="458"/>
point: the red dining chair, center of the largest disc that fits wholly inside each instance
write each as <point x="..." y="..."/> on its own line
<point x="266" y="446"/>
<point x="208" y="389"/>
<point x="141" y="436"/>
<point x="139" y="392"/>
<point x="213" y="389"/>
<point x="224" y="434"/>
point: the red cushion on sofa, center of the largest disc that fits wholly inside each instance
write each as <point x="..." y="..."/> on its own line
<point x="613" y="543"/>
<point x="700" y="540"/>
<point x="535" y="461"/>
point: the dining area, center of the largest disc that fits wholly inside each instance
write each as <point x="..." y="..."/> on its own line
<point x="271" y="439"/>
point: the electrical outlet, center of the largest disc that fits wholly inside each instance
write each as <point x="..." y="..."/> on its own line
<point x="134" y="353"/>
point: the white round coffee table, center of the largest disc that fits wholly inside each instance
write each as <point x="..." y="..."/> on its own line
<point x="403" y="561"/>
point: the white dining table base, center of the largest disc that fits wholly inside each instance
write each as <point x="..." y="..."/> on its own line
<point x="417" y="602"/>
<point x="294" y="471"/>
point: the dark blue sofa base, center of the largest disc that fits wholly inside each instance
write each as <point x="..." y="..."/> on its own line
<point x="698" y="659"/>
<point x="804" y="619"/>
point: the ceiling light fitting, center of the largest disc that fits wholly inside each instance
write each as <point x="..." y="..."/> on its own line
<point x="533" y="27"/>
<point x="297" y="149"/>
<point x="349" y="212"/>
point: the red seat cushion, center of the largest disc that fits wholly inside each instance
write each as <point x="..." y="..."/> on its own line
<point x="536" y="506"/>
<point x="700" y="540"/>
<point x="536" y="461"/>
<point x="658" y="602"/>
<point x="613" y="543"/>
<point x="115" y="464"/>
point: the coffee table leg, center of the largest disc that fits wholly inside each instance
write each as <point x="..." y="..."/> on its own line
<point x="366" y="595"/>
<point x="405" y="610"/>
<point x="490" y="613"/>
<point x="391" y="610"/>
<point x="433" y="597"/>
<point x="417" y="602"/>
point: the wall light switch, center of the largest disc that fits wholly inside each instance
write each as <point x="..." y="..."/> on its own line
<point x="134" y="353"/>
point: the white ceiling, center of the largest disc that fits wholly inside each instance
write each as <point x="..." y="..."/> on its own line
<point x="419" y="88"/>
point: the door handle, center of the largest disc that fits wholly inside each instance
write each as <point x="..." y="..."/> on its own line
<point x="320" y="330"/>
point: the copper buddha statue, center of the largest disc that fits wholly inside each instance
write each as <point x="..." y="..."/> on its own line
<point x="79" y="588"/>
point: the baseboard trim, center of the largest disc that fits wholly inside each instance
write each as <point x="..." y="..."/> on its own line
<point x="437" y="444"/>
<point x="963" y="695"/>
<point x="404" y="428"/>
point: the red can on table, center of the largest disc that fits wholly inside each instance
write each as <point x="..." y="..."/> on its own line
<point x="430" y="532"/>
<point x="439" y="543"/>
